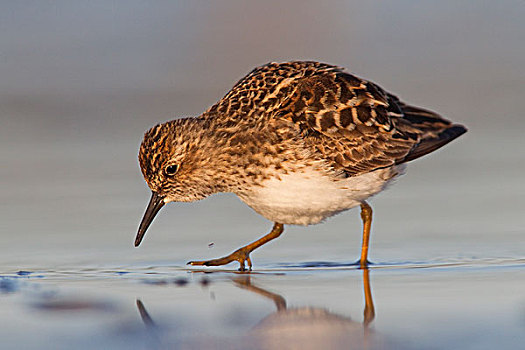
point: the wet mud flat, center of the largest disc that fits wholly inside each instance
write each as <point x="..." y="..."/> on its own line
<point x="476" y="304"/>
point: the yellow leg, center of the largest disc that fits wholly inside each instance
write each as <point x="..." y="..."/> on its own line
<point x="242" y="254"/>
<point x="366" y="216"/>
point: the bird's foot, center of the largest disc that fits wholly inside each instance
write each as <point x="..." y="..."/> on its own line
<point x="363" y="264"/>
<point x="242" y="255"/>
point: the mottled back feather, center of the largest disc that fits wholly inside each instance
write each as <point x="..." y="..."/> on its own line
<point x="351" y="122"/>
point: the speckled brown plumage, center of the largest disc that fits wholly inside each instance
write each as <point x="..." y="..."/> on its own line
<point x="348" y="120"/>
<point x="310" y="119"/>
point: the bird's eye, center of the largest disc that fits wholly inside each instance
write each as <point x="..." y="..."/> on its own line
<point x="172" y="169"/>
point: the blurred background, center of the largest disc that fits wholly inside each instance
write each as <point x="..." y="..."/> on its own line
<point x="81" y="81"/>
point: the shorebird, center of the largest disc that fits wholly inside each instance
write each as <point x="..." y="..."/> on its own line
<point x="298" y="142"/>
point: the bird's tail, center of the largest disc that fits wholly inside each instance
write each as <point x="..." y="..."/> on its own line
<point x="434" y="130"/>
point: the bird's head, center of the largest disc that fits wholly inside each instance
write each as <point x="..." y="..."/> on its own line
<point x="176" y="166"/>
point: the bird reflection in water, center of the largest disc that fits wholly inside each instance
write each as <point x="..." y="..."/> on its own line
<point x="301" y="327"/>
<point x="311" y="327"/>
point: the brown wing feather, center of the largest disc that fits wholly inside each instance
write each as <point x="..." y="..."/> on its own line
<point x="347" y="120"/>
<point x="359" y="126"/>
<point x="435" y="131"/>
<point x="350" y="121"/>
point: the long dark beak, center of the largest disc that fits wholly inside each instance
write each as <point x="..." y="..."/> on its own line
<point x="155" y="203"/>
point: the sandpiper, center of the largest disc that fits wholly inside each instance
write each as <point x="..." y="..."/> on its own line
<point x="298" y="142"/>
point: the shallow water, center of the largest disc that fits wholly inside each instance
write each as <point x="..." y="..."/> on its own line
<point x="460" y="304"/>
<point x="82" y="82"/>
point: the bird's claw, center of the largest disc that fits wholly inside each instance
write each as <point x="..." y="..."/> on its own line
<point x="241" y="255"/>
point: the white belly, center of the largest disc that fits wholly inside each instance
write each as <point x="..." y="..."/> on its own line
<point x="310" y="197"/>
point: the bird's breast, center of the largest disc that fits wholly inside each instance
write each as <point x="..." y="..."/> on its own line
<point x="309" y="196"/>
